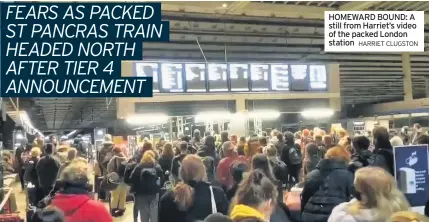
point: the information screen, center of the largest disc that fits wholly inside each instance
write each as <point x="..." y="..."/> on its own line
<point x="147" y="69"/>
<point x="259" y="77"/>
<point x="218" y="81"/>
<point x="299" y="78"/>
<point x="280" y="77"/>
<point x="171" y="80"/>
<point x="239" y="77"/>
<point x="195" y="77"/>
<point x="318" y="77"/>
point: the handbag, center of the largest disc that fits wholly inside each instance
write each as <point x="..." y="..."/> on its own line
<point x="110" y="182"/>
<point x="214" y="207"/>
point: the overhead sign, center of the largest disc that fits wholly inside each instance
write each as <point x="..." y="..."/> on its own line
<point x="218" y="79"/>
<point x="195" y="77"/>
<point x="299" y="78"/>
<point x="172" y="77"/>
<point x="239" y="76"/>
<point x="280" y="77"/>
<point x="411" y="172"/>
<point x="259" y="77"/>
<point x="148" y="69"/>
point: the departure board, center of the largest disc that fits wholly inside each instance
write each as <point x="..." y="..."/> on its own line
<point x="148" y="69"/>
<point x="217" y="75"/>
<point x="299" y="78"/>
<point x="239" y="77"/>
<point x="195" y="77"/>
<point x="318" y="77"/>
<point x="171" y="77"/>
<point x="279" y="77"/>
<point x="259" y="77"/>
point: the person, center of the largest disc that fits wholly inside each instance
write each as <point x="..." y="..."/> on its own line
<point x="362" y="155"/>
<point x="217" y="217"/>
<point x="210" y="165"/>
<point x="39" y="142"/>
<point x="255" y="199"/>
<point x="312" y="158"/>
<point x="418" y="130"/>
<point x="224" y="137"/>
<point x="408" y="216"/>
<point x="117" y="164"/>
<point x="263" y="141"/>
<point x="327" y="186"/>
<point x="279" y="144"/>
<point x="397" y="141"/>
<point x="327" y="140"/>
<point x="423" y="139"/>
<point x="237" y="171"/>
<point x="291" y="155"/>
<point x="81" y="146"/>
<point x="273" y="135"/>
<point x="376" y="198"/>
<point x="208" y="149"/>
<point x="177" y="160"/>
<point x="62" y="153"/>
<point x="234" y="140"/>
<point x="196" y="140"/>
<point x="20" y="165"/>
<point x="8" y="168"/>
<point x="47" y="170"/>
<point x="383" y="150"/>
<point x="280" y="170"/>
<point x="166" y="159"/>
<point x="145" y="180"/>
<point x="192" y="198"/>
<point x="223" y="173"/>
<point x="73" y="198"/>
<point x="53" y="140"/>
<point x="71" y="155"/>
<point x="105" y="154"/>
<point x="252" y="148"/>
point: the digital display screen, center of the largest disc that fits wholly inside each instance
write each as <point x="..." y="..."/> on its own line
<point x="280" y="77"/>
<point x="239" y="77"/>
<point x="171" y="80"/>
<point x="147" y="69"/>
<point x="195" y="77"/>
<point x="318" y="77"/>
<point x="259" y="77"/>
<point x="218" y="80"/>
<point x="299" y="78"/>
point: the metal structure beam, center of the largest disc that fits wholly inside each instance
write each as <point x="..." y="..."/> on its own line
<point x="357" y="6"/>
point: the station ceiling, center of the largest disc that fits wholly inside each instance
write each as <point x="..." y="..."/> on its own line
<point x="274" y="31"/>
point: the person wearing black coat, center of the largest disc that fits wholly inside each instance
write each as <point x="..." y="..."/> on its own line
<point x="177" y="160"/>
<point x="362" y="155"/>
<point x="47" y="170"/>
<point x="327" y="186"/>
<point x="383" y="152"/>
<point x="190" y="200"/>
<point x="20" y="162"/>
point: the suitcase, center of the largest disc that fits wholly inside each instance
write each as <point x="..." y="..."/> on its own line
<point x="10" y="218"/>
<point x="101" y="194"/>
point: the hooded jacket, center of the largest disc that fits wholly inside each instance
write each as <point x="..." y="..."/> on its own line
<point x="243" y="213"/>
<point x="169" y="211"/>
<point x="340" y="214"/>
<point x="79" y="207"/>
<point x="326" y="187"/>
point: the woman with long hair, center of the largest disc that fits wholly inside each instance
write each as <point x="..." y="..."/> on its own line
<point x="191" y="199"/>
<point x="376" y="198"/>
<point x="119" y="195"/>
<point x="255" y="199"/>
<point x="166" y="159"/>
<point x="311" y="158"/>
<point x="383" y="150"/>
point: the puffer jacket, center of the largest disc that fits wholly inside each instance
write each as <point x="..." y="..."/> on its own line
<point x="326" y="187"/>
<point x="340" y="214"/>
<point x="383" y="158"/>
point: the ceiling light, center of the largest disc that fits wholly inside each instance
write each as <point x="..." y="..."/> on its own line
<point x="318" y="113"/>
<point x="224" y="5"/>
<point x="100" y="132"/>
<point x="19" y="136"/>
<point x="264" y="114"/>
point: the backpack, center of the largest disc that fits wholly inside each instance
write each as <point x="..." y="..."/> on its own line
<point x="120" y="169"/>
<point x="294" y="156"/>
<point x="280" y="171"/>
<point x="150" y="183"/>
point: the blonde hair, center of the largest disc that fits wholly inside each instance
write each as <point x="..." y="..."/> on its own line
<point x="76" y="171"/>
<point x="35" y="152"/>
<point x="408" y="216"/>
<point x="338" y="152"/>
<point x="148" y="158"/>
<point x="378" y="192"/>
<point x="192" y="169"/>
<point x="271" y="150"/>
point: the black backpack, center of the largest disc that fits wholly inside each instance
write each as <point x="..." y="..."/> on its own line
<point x="149" y="182"/>
<point x="280" y="171"/>
<point x="295" y="156"/>
<point x="122" y="166"/>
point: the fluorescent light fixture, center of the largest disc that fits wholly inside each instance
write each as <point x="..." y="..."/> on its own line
<point x="147" y="119"/>
<point x="384" y="117"/>
<point x="64" y="137"/>
<point x="358" y="123"/>
<point x="264" y="114"/>
<point x="19" y="136"/>
<point x="317" y="113"/>
<point x="71" y="133"/>
<point x="99" y="132"/>
<point x="399" y="116"/>
<point x="212" y="116"/>
<point x="419" y="114"/>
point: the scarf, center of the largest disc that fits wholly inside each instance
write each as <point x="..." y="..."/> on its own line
<point x="241" y="211"/>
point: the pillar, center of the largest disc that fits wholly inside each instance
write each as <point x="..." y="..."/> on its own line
<point x="427" y="87"/>
<point x="406" y="69"/>
<point x="334" y="86"/>
<point x="238" y="122"/>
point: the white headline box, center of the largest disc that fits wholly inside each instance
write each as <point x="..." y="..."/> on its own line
<point x="374" y="31"/>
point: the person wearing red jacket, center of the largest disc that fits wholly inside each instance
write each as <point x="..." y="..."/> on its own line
<point x="73" y="198"/>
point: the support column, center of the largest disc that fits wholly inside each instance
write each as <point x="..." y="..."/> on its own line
<point x="406" y="69"/>
<point x="427" y="87"/>
<point x="238" y="122"/>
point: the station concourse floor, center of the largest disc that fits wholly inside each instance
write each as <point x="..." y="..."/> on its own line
<point x="21" y="204"/>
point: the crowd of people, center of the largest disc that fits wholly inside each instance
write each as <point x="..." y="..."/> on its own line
<point x="340" y="179"/>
